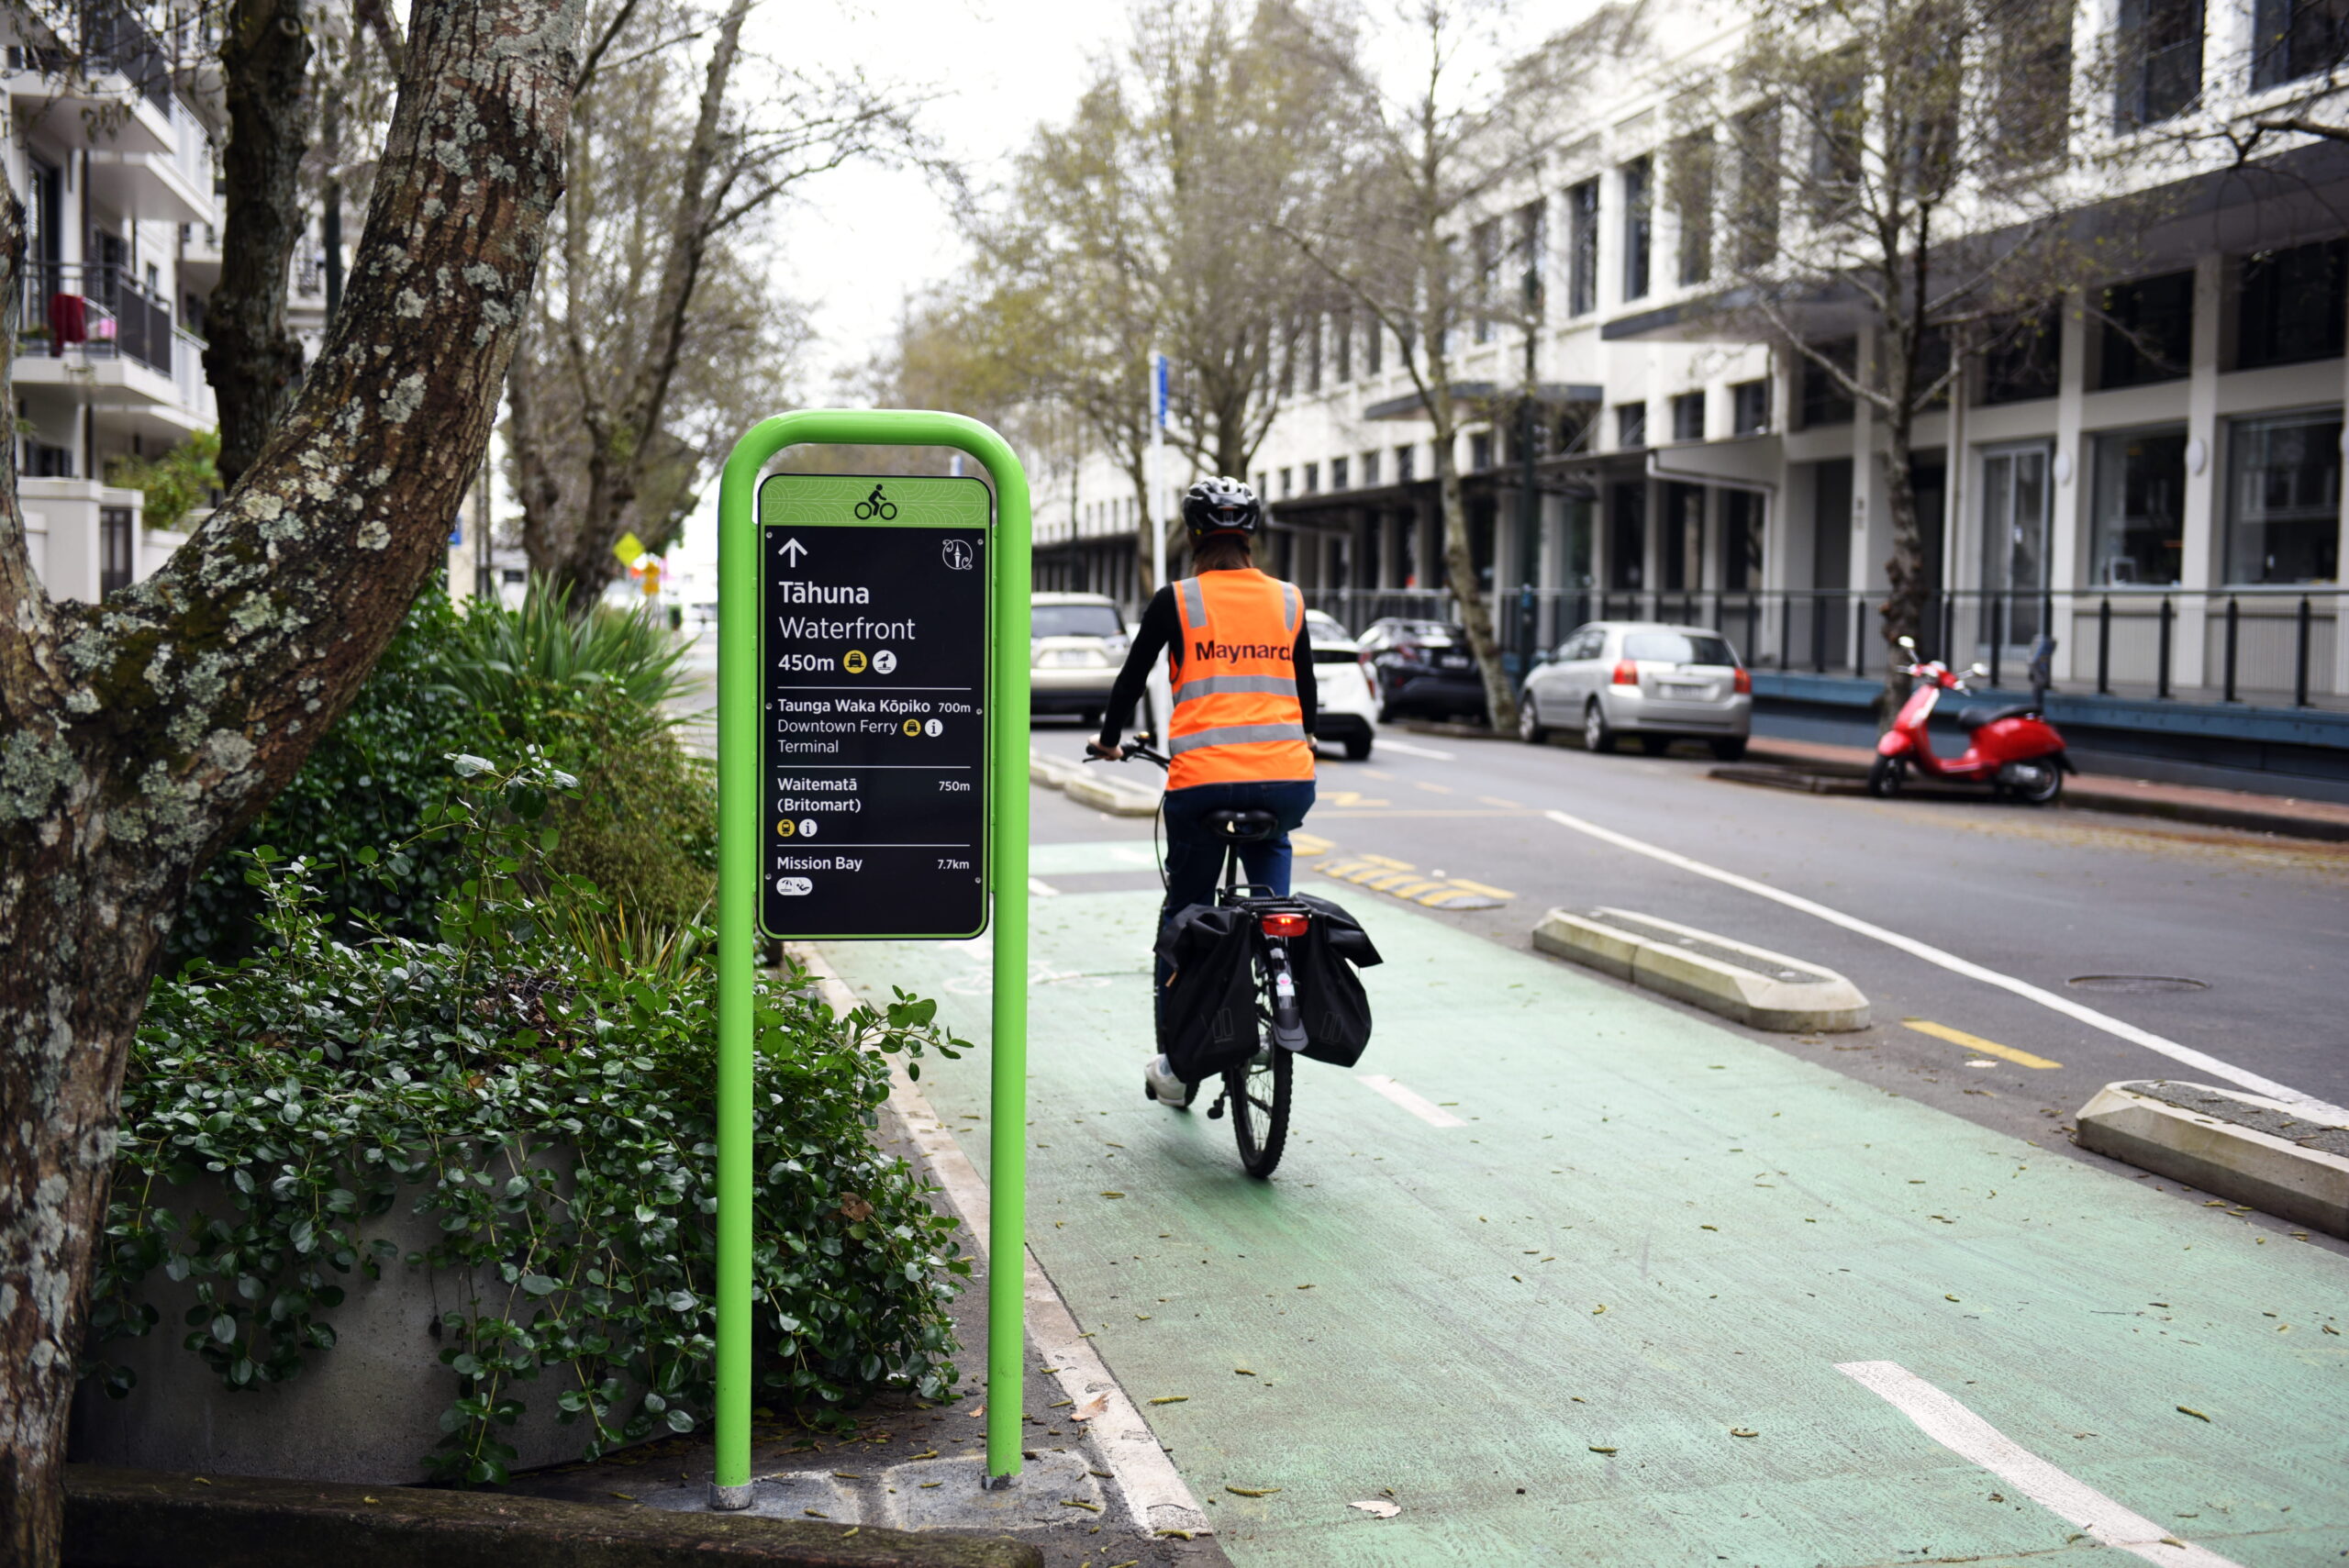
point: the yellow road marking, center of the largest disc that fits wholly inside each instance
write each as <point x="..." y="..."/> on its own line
<point x="1310" y="844"/>
<point x="1433" y="788"/>
<point x="1344" y="798"/>
<point x="1384" y="861"/>
<point x="1410" y="889"/>
<point x="1377" y="774"/>
<point x="1480" y="887"/>
<point x="1975" y="1042"/>
<point x="1497" y="800"/>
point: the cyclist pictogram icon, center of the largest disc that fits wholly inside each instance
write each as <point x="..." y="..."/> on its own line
<point x="875" y="506"/>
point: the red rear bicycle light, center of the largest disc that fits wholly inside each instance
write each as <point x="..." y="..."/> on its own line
<point x="1286" y="926"/>
<point x="1744" y="682"/>
<point x="1626" y="674"/>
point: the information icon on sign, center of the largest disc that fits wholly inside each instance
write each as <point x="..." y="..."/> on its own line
<point x="957" y="553"/>
<point x="932" y="727"/>
<point x="807" y="829"/>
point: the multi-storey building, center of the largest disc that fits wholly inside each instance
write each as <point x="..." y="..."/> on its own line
<point x="2155" y="479"/>
<point x="113" y="158"/>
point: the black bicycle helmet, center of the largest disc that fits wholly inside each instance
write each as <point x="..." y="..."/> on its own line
<point x="1221" y="505"/>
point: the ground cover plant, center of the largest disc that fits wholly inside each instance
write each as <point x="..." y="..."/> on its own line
<point x="537" y="1074"/>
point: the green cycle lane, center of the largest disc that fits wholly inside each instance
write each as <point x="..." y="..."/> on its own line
<point x="1540" y="1331"/>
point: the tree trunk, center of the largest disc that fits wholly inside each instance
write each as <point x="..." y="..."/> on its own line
<point x="137" y="741"/>
<point x="252" y="361"/>
<point x="1460" y="568"/>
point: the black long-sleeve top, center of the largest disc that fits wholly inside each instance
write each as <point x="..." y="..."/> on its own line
<point x="1161" y="631"/>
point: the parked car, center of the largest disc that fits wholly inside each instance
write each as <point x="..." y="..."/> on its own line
<point x="1643" y="678"/>
<point x="1422" y="667"/>
<point x="1075" y="644"/>
<point x="1341" y="689"/>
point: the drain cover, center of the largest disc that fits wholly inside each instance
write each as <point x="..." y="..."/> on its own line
<point x="2138" y="984"/>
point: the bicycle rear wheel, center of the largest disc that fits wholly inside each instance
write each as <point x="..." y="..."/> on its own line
<point x="1259" y="1098"/>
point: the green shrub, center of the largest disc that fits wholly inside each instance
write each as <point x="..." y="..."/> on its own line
<point x="174" y="483"/>
<point x="325" y="1082"/>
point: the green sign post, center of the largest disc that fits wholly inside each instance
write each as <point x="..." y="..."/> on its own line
<point x="861" y="677"/>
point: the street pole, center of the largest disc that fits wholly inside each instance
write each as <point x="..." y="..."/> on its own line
<point x="1158" y="689"/>
<point x="1528" y="497"/>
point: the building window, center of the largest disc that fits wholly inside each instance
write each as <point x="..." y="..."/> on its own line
<point x="2140" y="506"/>
<point x="45" y="461"/>
<point x="2289" y="304"/>
<point x="1374" y="347"/>
<point x="2024" y="360"/>
<point x="2030" y="72"/>
<point x="1582" y="248"/>
<point x="1487" y="238"/>
<point x="1683" y="537"/>
<point x="1406" y="465"/>
<point x="117" y="543"/>
<point x="1287" y="487"/>
<point x="1639" y="225"/>
<point x="1689" y="417"/>
<point x="2284" y="499"/>
<point x="1749" y="408"/>
<point x="1693" y="175"/>
<point x="1337" y="474"/>
<point x="1312" y="479"/>
<point x="2160" y="61"/>
<point x="1480" y="453"/>
<point x="1627" y="535"/>
<point x="1838" y="111"/>
<point x="1532" y="226"/>
<point x="2148" y="330"/>
<point x="1754" y="219"/>
<point x="1369" y="468"/>
<point x="1630" y="424"/>
<point x="1741" y="542"/>
<point x="1263" y="487"/>
<point x="1821" y="391"/>
<point x="2292" y="39"/>
<point x="1313" y="324"/>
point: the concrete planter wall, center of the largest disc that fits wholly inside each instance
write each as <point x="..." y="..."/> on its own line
<point x="367" y="1411"/>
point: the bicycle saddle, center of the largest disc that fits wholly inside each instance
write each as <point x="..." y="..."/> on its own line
<point x="1243" y="827"/>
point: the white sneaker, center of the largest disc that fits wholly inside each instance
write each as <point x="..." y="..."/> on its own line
<point x="1160" y="1084"/>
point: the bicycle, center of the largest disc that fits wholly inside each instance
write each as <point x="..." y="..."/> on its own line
<point x="873" y="506"/>
<point x="1257" y="1090"/>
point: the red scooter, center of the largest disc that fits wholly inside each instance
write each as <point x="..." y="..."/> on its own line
<point x="2014" y="750"/>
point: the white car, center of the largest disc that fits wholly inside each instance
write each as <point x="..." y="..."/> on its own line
<point x="1076" y="643"/>
<point x="1343" y="704"/>
<point x="1656" y="681"/>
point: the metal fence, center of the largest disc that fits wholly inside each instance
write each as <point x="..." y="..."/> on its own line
<point x="95" y="308"/>
<point x="2274" y="645"/>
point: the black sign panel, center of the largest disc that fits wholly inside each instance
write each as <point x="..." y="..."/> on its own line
<point x="874" y="640"/>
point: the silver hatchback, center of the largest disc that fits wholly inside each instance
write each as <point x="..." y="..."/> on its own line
<point x="1659" y="681"/>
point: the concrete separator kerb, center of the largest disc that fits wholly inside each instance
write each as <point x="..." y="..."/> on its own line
<point x="2247" y="1148"/>
<point x="1155" y="1496"/>
<point x="1759" y="988"/>
<point x="1092" y="786"/>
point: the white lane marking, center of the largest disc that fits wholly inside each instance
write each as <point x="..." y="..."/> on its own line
<point x="1970" y="1437"/>
<point x="1388" y="743"/>
<point x="2307" y="1105"/>
<point x="1426" y="1110"/>
<point x="1155" y="1494"/>
<point x="1042" y="889"/>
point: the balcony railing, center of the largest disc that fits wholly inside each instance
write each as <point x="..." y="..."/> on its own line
<point x="100" y="37"/>
<point x="95" y="309"/>
<point x="2271" y="646"/>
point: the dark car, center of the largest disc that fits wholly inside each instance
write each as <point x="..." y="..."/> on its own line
<point x="1422" y="669"/>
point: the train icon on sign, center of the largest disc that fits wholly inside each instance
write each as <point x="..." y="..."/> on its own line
<point x="794" y="887"/>
<point x="957" y="553"/>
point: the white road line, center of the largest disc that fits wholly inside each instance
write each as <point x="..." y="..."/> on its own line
<point x="1155" y="1493"/>
<point x="1388" y="743"/>
<point x="1426" y="1110"/>
<point x="1042" y="889"/>
<point x="2307" y="1105"/>
<point x="1970" y="1437"/>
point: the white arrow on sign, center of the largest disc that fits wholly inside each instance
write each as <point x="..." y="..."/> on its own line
<point x="792" y="549"/>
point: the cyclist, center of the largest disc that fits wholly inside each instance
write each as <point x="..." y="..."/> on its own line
<point x="1240" y="736"/>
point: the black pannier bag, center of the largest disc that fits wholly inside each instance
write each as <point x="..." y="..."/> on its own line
<point x="1337" y="1012"/>
<point x="1210" y="1008"/>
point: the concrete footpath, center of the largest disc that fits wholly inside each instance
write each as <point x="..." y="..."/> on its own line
<point x="1580" y="1278"/>
<point x="2136" y="797"/>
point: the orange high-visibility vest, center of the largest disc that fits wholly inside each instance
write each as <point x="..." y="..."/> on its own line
<point x="1237" y="717"/>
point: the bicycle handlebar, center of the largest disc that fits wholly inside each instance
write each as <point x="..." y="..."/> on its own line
<point x="1137" y="747"/>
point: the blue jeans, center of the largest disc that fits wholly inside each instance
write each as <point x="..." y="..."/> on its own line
<point x="1195" y="855"/>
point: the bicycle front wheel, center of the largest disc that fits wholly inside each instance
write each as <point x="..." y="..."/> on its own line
<point x="1259" y="1098"/>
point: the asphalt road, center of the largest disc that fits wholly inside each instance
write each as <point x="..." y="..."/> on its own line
<point x="2045" y="896"/>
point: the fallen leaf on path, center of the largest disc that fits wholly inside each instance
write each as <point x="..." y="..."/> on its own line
<point x="1241" y="1372"/>
<point x="1596" y="1310"/>
<point x="1743" y="1432"/>
<point x="1595" y="1449"/>
<point x="1176" y="1534"/>
<point x="1378" y="1507"/>
<point x="1080" y="1503"/>
<point x="976" y="1411"/>
<point x="1058" y="1403"/>
<point x="846" y="1475"/>
<point x="1709" y="1227"/>
<point x="1949" y="1298"/>
<point x="1113" y="1194"/>
<point x="1171" y="1399"/>
<point x="2191" y="1410"/>
<point x="1252" y="1491"/>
